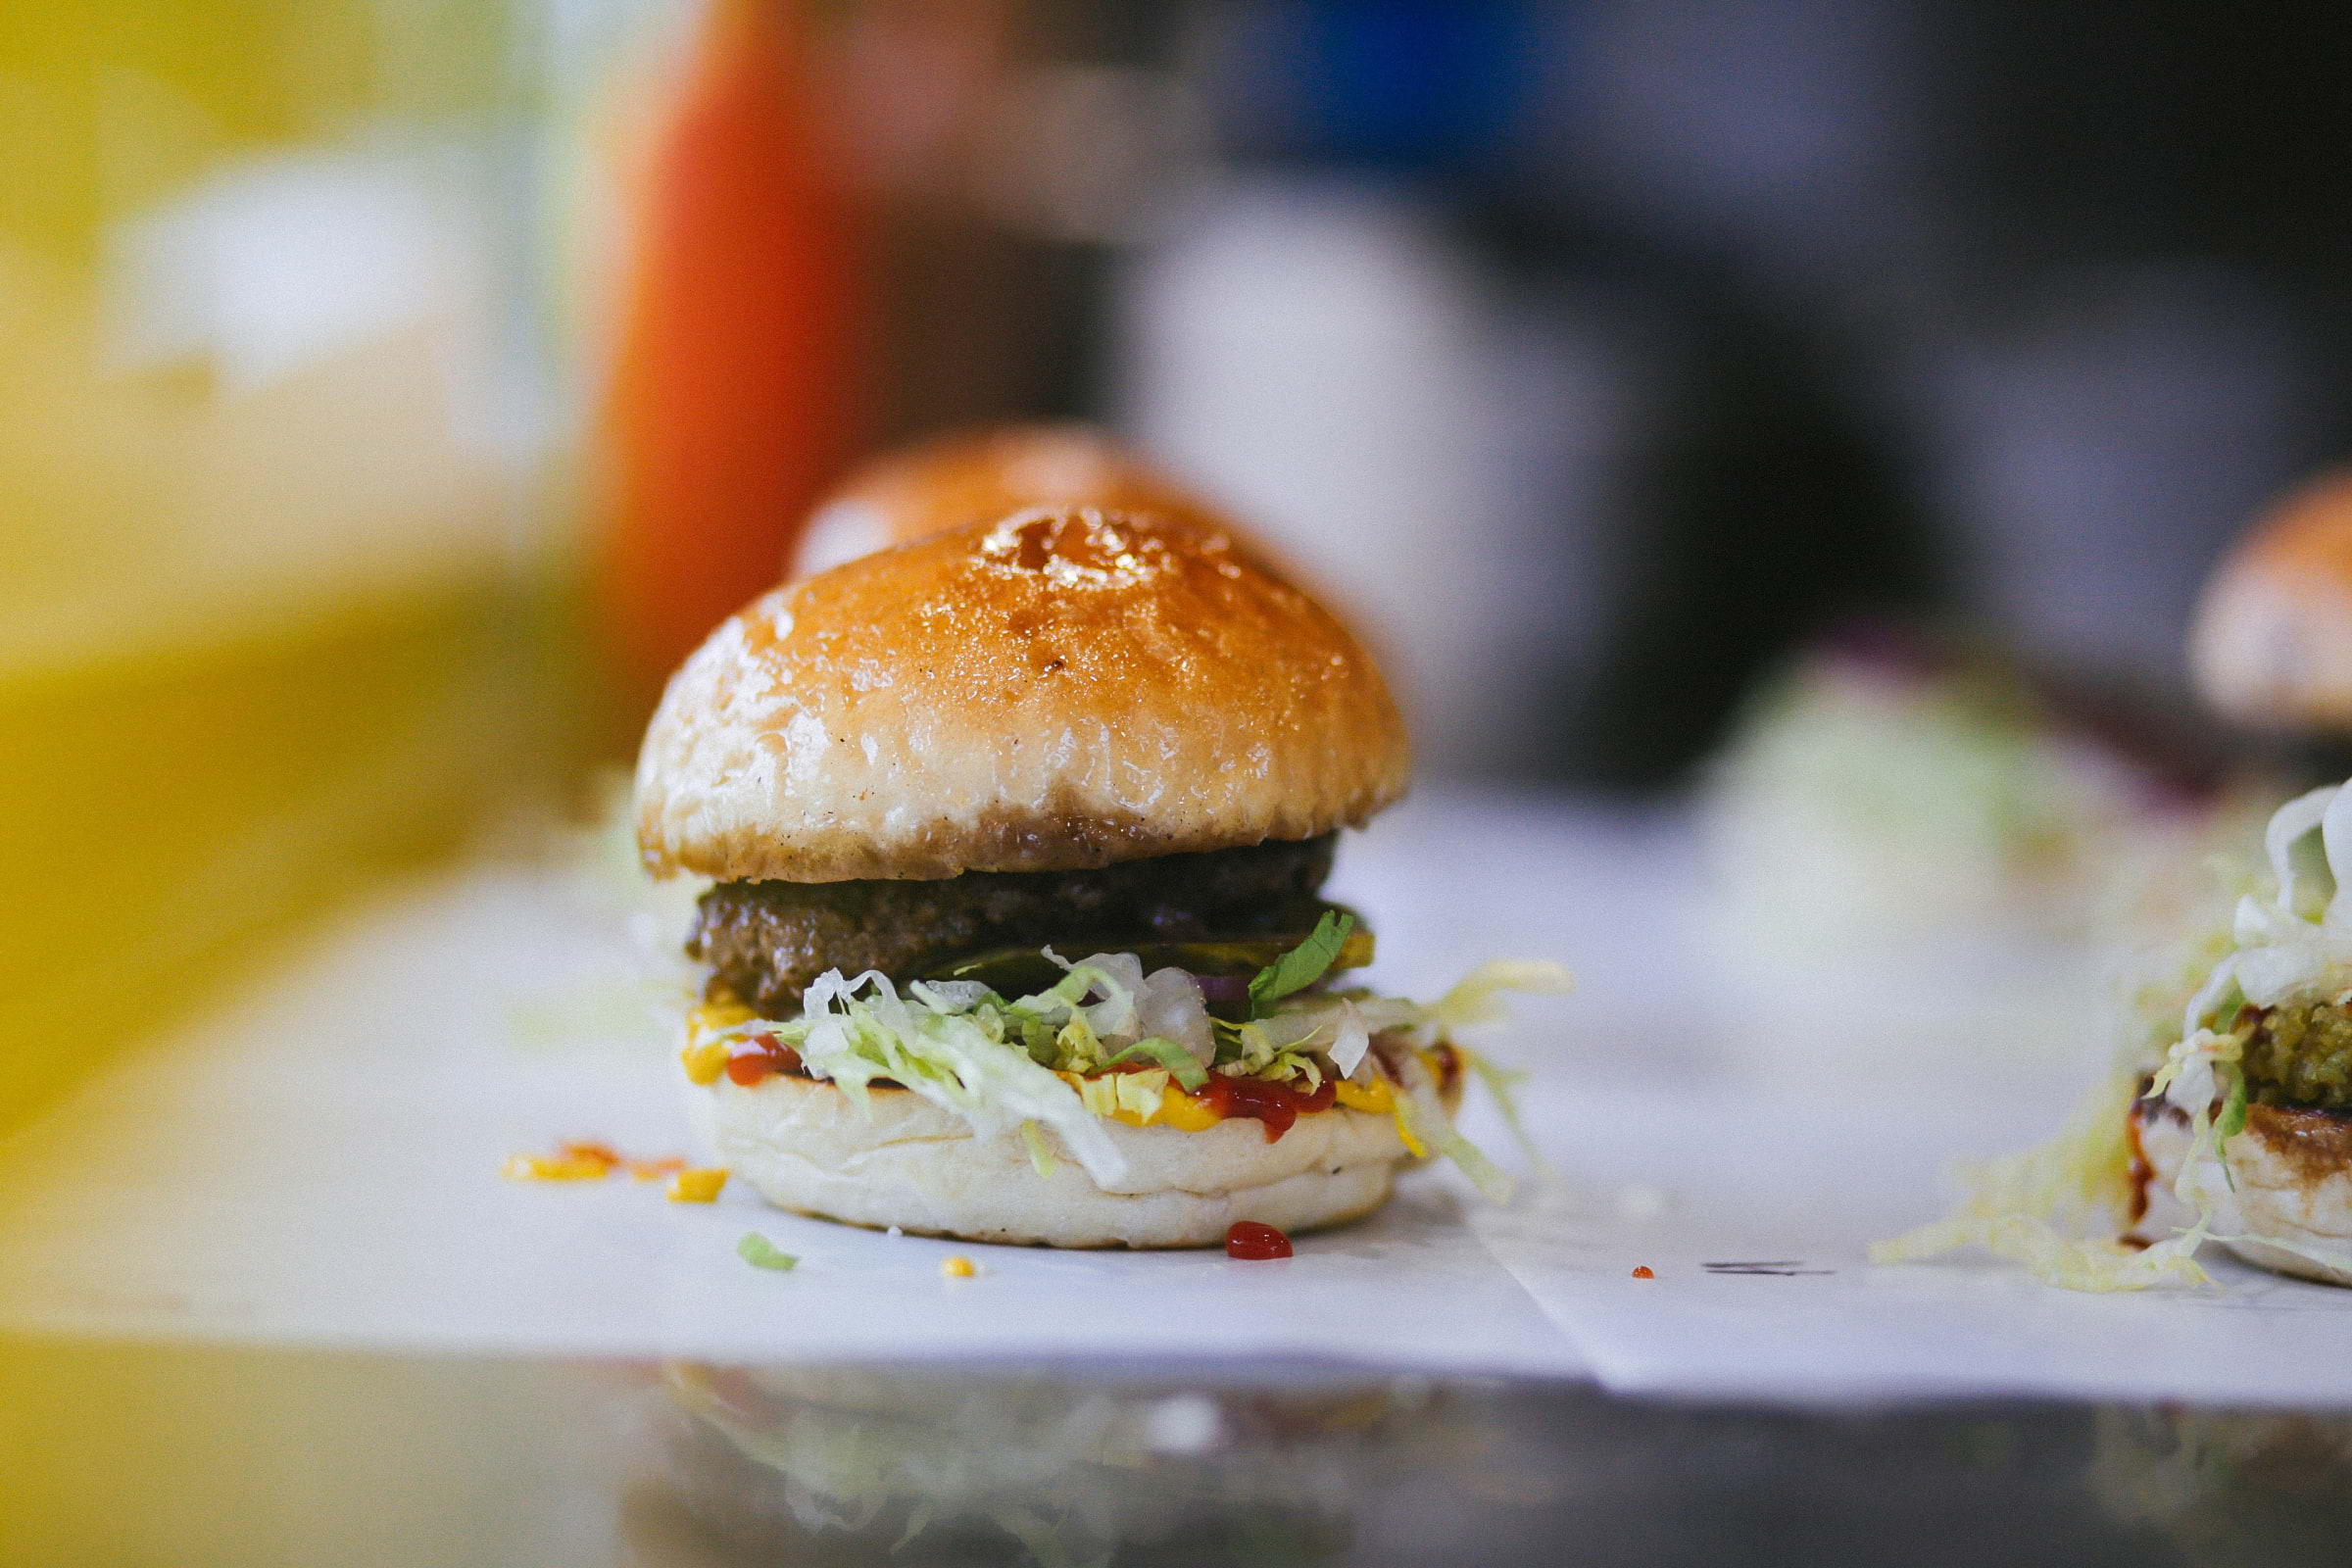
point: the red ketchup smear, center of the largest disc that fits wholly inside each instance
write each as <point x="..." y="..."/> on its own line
<point x="770" y="1056"/>
<point x="1253" y="1243"/>
<point x="1278" y="1105"/>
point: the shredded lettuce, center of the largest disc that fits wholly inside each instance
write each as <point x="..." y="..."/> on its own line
<point x="2046" y="1208"/>
<point x="1350" y="1041"/>
<point x="1478" y="997"/>
<point x="2072" y="1262"/>
<point x="1422" y="1114"/>
<point x="980" y="1063"/>
<point x="1041" y="1155"/>
<point x="760" y="1253"/>
<point x="999" y="1062"/>
<point x="1303" y="965"/>
<point x="1503" y="1087"/>
<point x="1179" y="1061"/>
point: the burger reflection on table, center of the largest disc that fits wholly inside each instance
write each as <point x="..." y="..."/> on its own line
<point x="2229" y="1487"/>
<point x="916" y="1466"/>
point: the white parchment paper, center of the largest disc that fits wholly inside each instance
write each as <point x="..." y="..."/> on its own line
<point x="318" y="1164"/>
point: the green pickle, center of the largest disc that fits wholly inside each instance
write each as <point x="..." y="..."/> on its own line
<point x="2302" y="1057"/>
<point x="1025" y="971"/>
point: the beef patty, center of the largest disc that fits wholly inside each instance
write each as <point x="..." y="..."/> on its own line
<point x="767" y="941"/>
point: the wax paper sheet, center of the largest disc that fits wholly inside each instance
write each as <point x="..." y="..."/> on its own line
<point x="318" y="1164"/>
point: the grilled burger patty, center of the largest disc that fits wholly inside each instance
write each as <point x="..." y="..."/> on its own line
<point x="766" y="941"/>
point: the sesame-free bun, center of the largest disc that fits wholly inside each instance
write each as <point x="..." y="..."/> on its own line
<point x="2272" y="645"/>
<point x="2290" y="1181"/>
<point x="980" y="476"/>
<point x="2291" y="1171"/>
<point x="1057" y="691"/>
<point x="804" y="1146"/>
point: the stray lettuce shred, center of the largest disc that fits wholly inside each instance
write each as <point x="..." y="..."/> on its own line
<point x="760" y="1253"/>
<point x="2052" y="1209"/>
<point x="2055" y="1210"/>
<point x="997" y="1062"/>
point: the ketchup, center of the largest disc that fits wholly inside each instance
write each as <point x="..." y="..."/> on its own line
<point x="1277" y="1105"/>
<point x="1253" y="1243"/>
<point x="768" y="1055"/>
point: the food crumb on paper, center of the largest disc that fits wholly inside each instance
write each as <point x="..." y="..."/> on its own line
<point x="959" y="1268"/>
<point x="1645" y="1272"/>
<point x="697" y="1186"/>
<point x="586" y="1159"/>
<point x="760" y="1253"/>
<point x="579" y="1160"/>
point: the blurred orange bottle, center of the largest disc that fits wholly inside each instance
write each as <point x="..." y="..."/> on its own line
<point x="737" y="392"/>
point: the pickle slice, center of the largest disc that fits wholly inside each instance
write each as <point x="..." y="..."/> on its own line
<point x="1024" y="971"/>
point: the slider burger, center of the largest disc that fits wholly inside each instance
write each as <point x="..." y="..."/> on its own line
<point x="2271" y="643"/>
<point x="2243" y="1131"/>
<point x="980" y="476"/>
<point x="2229" y="1118"/>
<point x="2246" y="1124"/>
<point x="1016" y="837"/>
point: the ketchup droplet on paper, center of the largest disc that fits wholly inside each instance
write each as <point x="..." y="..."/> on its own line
<point x="1253" y="1243"/>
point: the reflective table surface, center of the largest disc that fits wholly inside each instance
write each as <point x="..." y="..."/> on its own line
<point x="133" y="1454"/>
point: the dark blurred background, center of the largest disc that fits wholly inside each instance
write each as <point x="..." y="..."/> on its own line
<point x="1596" y="353"/>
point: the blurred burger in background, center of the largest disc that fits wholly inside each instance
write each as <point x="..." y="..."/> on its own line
<point x="2272" y="647"/>
<point x="2242" y="1120"/>
<point x="1911" y="826"/>
<point x="1896" y="784"/>
<point x="979" y="476"/>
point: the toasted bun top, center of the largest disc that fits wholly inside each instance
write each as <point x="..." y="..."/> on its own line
<point x="1055" y="691"/>
<point x="980" y="476"/>
<point x="2273" y="641"/>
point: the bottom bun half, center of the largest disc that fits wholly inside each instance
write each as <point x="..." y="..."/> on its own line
<point x="903" y="1161"/>
<point x="2290" y="1178"/>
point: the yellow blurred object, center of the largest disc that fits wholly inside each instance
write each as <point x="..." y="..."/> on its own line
<point x="1183" y="1112"/>
<point x="1141" y="1100"/>
<point x="697" y="1186"/>
<point x="704" y="1059"/>
<point x="267" y="628"/>
<point x="959" y="1268"/>
<point x="705" y="1062"/>
<point x="705" y="1018"/>
<point x="554" y="1168"/>
<point x="1379" y="1097"/>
